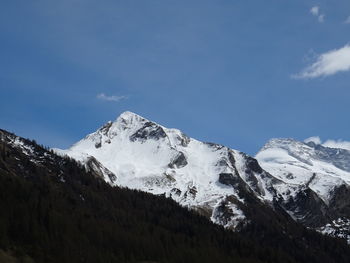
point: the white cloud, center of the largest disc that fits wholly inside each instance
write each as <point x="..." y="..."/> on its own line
<point x="315" y="139"/>
<point x="340" y="144"/>
<point x="347" y="21"/>
<point x="315" y="10"/>
<point x="329" y="63"/>
<point x="337" y="144"/>
<point x="103" y="96"/>
<point x="321" y="18"/>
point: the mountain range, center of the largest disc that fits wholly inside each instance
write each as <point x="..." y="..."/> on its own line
<point x="56" y="209"/>
<point x="307" y="182"/>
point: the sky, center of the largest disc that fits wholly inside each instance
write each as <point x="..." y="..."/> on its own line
<point x="232" y="72"/>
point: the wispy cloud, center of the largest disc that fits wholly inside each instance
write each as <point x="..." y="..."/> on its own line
<point x="321" y="18"/>
<point x="315" y="11"/>
<point x="315" y="139"/>
<point x="114" y="98"/>
<point x="340" y="144"/>
<point x="337" y="144"/>
<point x="347" y="21"/>
<point x="329" y="63"/>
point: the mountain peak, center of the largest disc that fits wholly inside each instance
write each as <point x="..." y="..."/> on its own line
<point x="280" y="142"/>
<point x="131" y="116"/>
<point x="129" y="121"/>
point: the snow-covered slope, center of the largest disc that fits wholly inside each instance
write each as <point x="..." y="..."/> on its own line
<point x="146" y="156"/>
<point x="321" y="168"/>
<point x="321" y="173"/>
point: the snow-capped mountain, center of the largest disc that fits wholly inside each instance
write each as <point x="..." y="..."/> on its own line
<point x="44" y="190"/>
<point x="321" y="177"/>
<point x="303" y="181"/>
<point x="141" y="154"/>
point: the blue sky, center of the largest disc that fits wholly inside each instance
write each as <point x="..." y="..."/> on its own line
<point x="232" y="72"/>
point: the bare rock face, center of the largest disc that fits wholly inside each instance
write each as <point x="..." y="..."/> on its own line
<point x="179" y="161"/>
<point x="307" y="208"/>
<point x="150" y="130"/>
<point x="231" y="180"/>
<point x="99" y="170"/>
<point x="340" y="202"/>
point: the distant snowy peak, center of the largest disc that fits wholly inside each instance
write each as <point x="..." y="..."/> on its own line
<point x="302" y="163"/>
<point x="322" y="175"/>
<point x="306" y="152"/>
